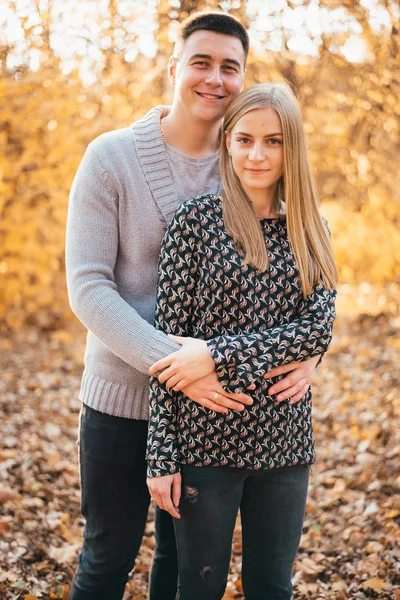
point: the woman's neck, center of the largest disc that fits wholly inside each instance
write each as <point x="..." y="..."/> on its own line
<point x="264" y="202"/>
<point x="198" y="139"/>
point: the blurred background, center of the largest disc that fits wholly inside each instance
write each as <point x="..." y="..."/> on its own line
<point x="72" y="69"/>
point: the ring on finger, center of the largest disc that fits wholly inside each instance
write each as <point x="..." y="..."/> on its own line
<point x="152" y="499"/>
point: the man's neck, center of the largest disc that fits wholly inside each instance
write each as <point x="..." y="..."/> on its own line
<point x="198" y="139"/>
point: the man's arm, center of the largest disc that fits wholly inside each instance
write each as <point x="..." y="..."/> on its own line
<point x="91" y="253"/>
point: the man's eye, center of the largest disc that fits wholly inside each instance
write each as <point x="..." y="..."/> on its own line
<point x="201" y="63"/>
<point x="229" y="68"/>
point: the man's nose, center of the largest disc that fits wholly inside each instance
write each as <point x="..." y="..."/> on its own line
<point x="214" y="76"/>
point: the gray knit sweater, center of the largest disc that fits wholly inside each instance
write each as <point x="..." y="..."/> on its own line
<point x="122" y="199"/>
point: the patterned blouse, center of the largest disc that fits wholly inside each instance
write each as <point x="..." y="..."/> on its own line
<point x="253" y="322"/>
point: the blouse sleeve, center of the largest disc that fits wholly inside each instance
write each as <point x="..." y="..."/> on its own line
<point x="256" y="353"/>
<point x="175" y="297"/>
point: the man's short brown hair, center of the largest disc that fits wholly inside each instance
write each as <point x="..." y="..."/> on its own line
<point x="217" y="21"/>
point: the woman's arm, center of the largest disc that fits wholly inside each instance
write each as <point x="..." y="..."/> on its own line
<point x="305" y="337"/>
<point x="176" y="288"/>
<point x="175" y="299"/>
<point x="163" y="476"/>
<point x="300" y="343"/>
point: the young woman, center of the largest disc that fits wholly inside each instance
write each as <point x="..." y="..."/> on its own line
<point x="253" y="275"/>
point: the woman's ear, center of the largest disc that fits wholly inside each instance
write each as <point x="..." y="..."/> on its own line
<point x="228" y="142"/>
<point x="172" y="70"/>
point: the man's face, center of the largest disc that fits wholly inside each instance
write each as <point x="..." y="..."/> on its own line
<point x="208" y="75"/>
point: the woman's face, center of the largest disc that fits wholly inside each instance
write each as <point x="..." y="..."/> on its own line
<point x="256" y="147"/>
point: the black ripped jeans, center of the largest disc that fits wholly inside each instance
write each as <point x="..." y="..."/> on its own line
<point x="271" y="506"/>
<point x="115" y="502"/>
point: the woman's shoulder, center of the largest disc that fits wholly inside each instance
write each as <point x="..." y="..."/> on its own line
<point x="200" y="207"/>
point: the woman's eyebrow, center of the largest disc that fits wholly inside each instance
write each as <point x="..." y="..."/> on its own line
<point x="249" y="134"/>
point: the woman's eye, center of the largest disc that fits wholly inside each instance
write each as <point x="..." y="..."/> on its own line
<point x="275" y="141"/>
<point x="243" y="140"/>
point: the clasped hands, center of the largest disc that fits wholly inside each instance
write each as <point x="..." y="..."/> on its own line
<point x="191" y="370"/>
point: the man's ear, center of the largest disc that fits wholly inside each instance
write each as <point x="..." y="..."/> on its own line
<point x="172" y="65"/>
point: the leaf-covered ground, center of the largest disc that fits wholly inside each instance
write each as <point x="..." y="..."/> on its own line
<point x="350" y="544"/>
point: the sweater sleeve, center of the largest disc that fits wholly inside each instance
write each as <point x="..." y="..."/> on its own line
<point x="254" y="354"/>
<point x="91" y="254"/>
<point x="175" y="300"/>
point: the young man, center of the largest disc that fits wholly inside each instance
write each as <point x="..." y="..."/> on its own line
<point x="126" y="190"/>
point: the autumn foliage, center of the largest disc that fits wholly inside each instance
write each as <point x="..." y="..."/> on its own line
<point x="351" y="113"/>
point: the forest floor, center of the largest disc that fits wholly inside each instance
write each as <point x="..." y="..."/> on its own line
<point x="350" y="548"/>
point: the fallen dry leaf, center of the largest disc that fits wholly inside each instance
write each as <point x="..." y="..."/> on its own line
<point x="64" y="555"/>
<point x="375" y="584"/>
<point x="310" y="567"/>
<point x="7" y="494"/>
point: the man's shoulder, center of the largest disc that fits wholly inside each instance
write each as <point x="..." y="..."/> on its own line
<point x="112" y="140"/>
<point x="113" y="143"/>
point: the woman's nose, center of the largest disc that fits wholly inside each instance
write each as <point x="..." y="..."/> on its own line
<point x="256" y="152"/>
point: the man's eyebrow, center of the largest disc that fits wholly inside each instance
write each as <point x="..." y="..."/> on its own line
<point x="233" y="61"/>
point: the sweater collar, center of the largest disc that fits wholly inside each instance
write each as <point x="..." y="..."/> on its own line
<point x="152" y="156"/>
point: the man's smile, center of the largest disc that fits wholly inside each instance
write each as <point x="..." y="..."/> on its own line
<point x="210" y="96"/>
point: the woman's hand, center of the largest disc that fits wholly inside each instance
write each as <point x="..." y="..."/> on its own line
<point x="179" y="369"/>
<point x="166" y="492"/>
<point x="208" y="392"/>
<point x="296" y="384"/>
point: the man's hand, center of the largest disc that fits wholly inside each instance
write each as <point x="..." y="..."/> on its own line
<point x="166" y="492"/>
<point x="192" y="361"/>
<point x="208" y="392"/>
<point x="296" y="384"/>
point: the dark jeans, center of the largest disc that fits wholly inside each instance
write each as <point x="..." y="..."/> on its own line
<point x="115" y="502"/>
<point x="272" y="507"/>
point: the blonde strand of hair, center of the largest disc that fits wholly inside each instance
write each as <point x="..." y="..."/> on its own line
<point x="308" y="236"/>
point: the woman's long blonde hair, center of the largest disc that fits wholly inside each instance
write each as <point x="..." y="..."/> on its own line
<point x="308" y="237"/>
